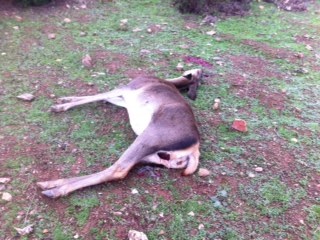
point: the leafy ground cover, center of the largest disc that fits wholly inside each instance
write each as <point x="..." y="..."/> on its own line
<point x="264" y="67"/>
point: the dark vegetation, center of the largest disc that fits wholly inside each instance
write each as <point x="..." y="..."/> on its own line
<point x="229" y="7"/>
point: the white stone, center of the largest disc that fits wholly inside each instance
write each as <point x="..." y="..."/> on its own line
<point x="135" y="235"/>
<point x="6" y="197"/>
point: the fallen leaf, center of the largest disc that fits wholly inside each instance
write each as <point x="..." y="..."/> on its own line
<point x="239" y="125"/>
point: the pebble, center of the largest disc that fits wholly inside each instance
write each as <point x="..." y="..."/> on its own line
<point x="67" y="20"/>
<point x="216" y="104"/>
<point x="211" y="33"/>
<point x="4" y="180"/>
<point x="6" y="196"/>
<point x="203" y="172"/>
<point x="294" y="140"/>
<point x="251" y="175"/>
<point x="136" y="235"/>
<point x="45" y="231"/>
<point x="134" y="191"/>
<point x="191" y="214"/>
<point x="26" y="97"/>
<point x="201" y="226"/>
<point x="51" y="36"/>
<point x="180" y="67"/>
<point x="258" y="169"/>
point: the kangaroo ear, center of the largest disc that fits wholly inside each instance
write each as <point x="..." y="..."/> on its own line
<point x="188" y="76"/>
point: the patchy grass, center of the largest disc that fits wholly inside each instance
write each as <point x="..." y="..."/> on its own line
<point x="265" y="70"/>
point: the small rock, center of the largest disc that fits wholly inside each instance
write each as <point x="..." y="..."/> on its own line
<point x="217" y="203"/>
<point x="223" y="193"/>
<point x="137" y="30"/>
<point x="18" y="18"/>
<point x="180" y="67"/>
<point x="87" y="61"/>
<point x="134" y="191"/>
<point x="117" y="213"/>
<point x="25" y="231"/>
<point x="216" y="104"/>
<point x="45" y="231"/>
<point x="308" y="47"/>
<point x="76" y="236"/>
<point x="209" y="20"/>
<point x="83" y="34"/>
<point x="294" y="140"/>
<point x="149" y="30"/>
<point x="203" y="172"/>
<point x="162" y="232"/>
<point x="4" y="180"/>
<point x="16" y="28"/>
<point x="258" y="169"/>
<point x="239" y="125"/>
<point x="191" y="214"/>
<point x="51" y="36"/>
<point x="135" y="235"/>
<point x="251" y="175"/>
<point x="26" y="97"/>
<point x="67" y="20"/>
<point x="161" y="214"/>
<point x="261" y="7"/>
<point x="124" y="24"/>
<point x="201" y="226"/>
<point x="83" y="6"/>
<point x="301" y="221"/>
<point x="145" y="51"/>
<point x="211" y="33"/>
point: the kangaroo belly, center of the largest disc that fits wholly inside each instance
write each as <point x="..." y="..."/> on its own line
<point x="140" y="117"/>
<point x="140" y="110"/>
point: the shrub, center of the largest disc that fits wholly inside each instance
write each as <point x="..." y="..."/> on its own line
<point x="230" y="7"/>
<point x="26" y="3"/>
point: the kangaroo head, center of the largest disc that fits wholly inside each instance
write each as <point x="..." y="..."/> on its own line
<point x="194" y="77"/>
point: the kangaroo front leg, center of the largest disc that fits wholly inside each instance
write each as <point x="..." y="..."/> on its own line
<point x="77" y="101"/>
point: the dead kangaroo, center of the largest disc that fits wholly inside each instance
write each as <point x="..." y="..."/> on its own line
<point x="166" y="129"/>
